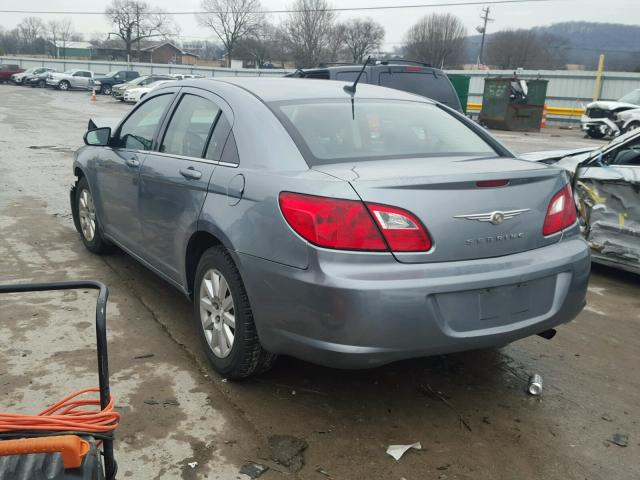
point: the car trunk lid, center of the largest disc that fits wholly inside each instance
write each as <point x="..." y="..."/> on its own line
<point x="445" y="194"/>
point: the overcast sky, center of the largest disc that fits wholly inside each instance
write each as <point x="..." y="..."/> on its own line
<point x="395" y="22"/>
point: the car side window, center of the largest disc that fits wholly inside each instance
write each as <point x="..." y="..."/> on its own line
<point x="627" y="154"/>
<point x="136" y="133"/>
<point x="218" y="138"/>
<point x="190" y="126"/>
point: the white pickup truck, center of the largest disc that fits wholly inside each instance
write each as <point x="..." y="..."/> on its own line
<point x="71" y="79"/>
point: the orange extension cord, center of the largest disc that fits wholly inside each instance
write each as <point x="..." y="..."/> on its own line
<point x="68" y="414"/>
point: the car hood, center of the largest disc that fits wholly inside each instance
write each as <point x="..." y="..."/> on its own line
<point x="605" y="105"/>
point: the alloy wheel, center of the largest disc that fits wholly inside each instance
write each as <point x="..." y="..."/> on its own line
<point x="217" y="313"/>
<point x="87" y="215"/>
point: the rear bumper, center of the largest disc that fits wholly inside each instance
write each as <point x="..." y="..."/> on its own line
<point x="359" y="311"/>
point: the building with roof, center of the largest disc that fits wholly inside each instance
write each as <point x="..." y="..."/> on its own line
<point x="61" y="49"/>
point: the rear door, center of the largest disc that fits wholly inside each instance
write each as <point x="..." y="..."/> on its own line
<point x="117" y="170"/>
<point x="175" y="177"/>
<point x="81" y="79"/>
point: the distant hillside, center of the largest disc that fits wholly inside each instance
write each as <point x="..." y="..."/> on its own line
<point x="582" y="42"/>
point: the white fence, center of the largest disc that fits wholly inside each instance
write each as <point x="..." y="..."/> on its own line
<point x="103" y="66"/>
<point x="567" y="89"/>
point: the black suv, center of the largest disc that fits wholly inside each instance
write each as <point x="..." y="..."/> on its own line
<point x="407" y="75"/>
<point x="105" y="83"/>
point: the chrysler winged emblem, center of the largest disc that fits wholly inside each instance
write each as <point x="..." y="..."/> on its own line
<point x="495" y="218"/>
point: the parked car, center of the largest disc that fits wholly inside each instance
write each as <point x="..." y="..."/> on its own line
<point x="117" y="91"/>
<point x="346" y="234"/>
<point x="410" y="76"/>
<point x="607" y="180"/>
<point x="182" y="76"/>
<point x="607" y="119"/>
<point x="104" y="84"/>
<point x="134" y="94"/>
<point x="38" y="79"/>
<point x="70" y="79"/>
<point x="18" y="78"/>
<point x="7" y="70"/>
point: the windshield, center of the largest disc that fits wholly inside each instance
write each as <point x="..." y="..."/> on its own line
<point x="111" y="74"/>
<point x="69" y="72"/>
<point x="326" y="132"/>
<point x="631" y="97"/>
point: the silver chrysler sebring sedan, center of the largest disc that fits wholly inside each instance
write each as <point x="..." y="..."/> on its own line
<point x="347" y="228"/>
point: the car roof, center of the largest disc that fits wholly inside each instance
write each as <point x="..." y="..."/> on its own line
<point x="282" y="89"/>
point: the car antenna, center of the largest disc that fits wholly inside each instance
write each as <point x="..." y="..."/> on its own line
<point x="351" y="89"/>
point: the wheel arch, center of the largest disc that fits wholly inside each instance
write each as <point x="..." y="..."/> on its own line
<point x="199" y="242"/>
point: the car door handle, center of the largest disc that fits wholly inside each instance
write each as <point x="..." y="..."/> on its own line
<point x="190" y="173"/>
<point x="133" y="161"/>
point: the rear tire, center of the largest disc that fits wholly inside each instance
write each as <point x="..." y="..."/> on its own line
<point x="64" y="85"/>
<point x="224" y="319"/>
<point x="90" y="230"/>
<point x="106" y="90"/>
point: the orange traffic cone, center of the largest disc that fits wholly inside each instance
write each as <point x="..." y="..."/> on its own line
<point x="93" y="95"/>
<point x="543" y="121"/>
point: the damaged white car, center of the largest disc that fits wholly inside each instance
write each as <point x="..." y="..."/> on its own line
<point x="609" y="119"/>
<point x="607" y="191"/>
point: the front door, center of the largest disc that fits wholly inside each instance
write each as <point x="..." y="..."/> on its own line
<point x="117" y="171"/>
<point x="174" y="179"/>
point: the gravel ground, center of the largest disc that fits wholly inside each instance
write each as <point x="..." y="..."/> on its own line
<point x="181" y="420"/>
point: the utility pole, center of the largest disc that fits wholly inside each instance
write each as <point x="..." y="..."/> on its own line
<point x="138" y="27"/>
<point x="483" y="30"/>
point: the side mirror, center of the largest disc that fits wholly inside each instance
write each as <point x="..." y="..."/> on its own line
<point x="98" y="138"/>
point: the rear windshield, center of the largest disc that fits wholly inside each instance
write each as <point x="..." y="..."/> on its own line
<point x="326" y="132"/>
<point x="428" y="84"/>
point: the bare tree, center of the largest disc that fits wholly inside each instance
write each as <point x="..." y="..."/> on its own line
<point x="437" y="39"/>
<point x="307" y="31"/>
<point x="136" y="20"/>
<point x="510" y="49"/>
<point x="53" y="28"/>
<point x="232" y="20"/>
<point x="60" y="33"/>
<point x="259" y="46"/>
<point x="31" y="30"/>
<point x="337" y="43"/>
<point x="362" y="37"/>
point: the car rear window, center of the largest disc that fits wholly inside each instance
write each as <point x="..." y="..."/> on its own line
<point x="330" y="132"/>
<point x="427" y="83"/>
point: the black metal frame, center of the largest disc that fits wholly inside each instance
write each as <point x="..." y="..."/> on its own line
<point x="110" y="465"/>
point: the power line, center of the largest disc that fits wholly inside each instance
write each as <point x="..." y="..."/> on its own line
<point x="334" y="9"/>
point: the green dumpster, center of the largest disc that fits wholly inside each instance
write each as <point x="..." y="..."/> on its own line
<point x="461" y="85"/>
<point x="509" y="103"/>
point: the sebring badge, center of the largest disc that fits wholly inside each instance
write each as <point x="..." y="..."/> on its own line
<point x="496" y="218"/>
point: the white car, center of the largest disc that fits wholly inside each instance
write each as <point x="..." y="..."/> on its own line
<point x="133" y="95"/>
<point x="603" y="118"/>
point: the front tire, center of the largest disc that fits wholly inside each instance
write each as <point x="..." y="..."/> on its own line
<point x="596" y="133"/>
<point x="90" y="230"/>
<point x="224" y="319"/>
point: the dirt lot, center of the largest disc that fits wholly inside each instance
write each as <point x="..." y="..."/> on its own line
<point x="469" y="411"/>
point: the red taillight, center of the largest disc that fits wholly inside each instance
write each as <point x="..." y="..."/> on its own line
<point x="347" y="225"/>
<point x="411" y="68"/>
<point x="401" y="229"/>
<point x="561" y="212"/>
<point x="331" y="222"/>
